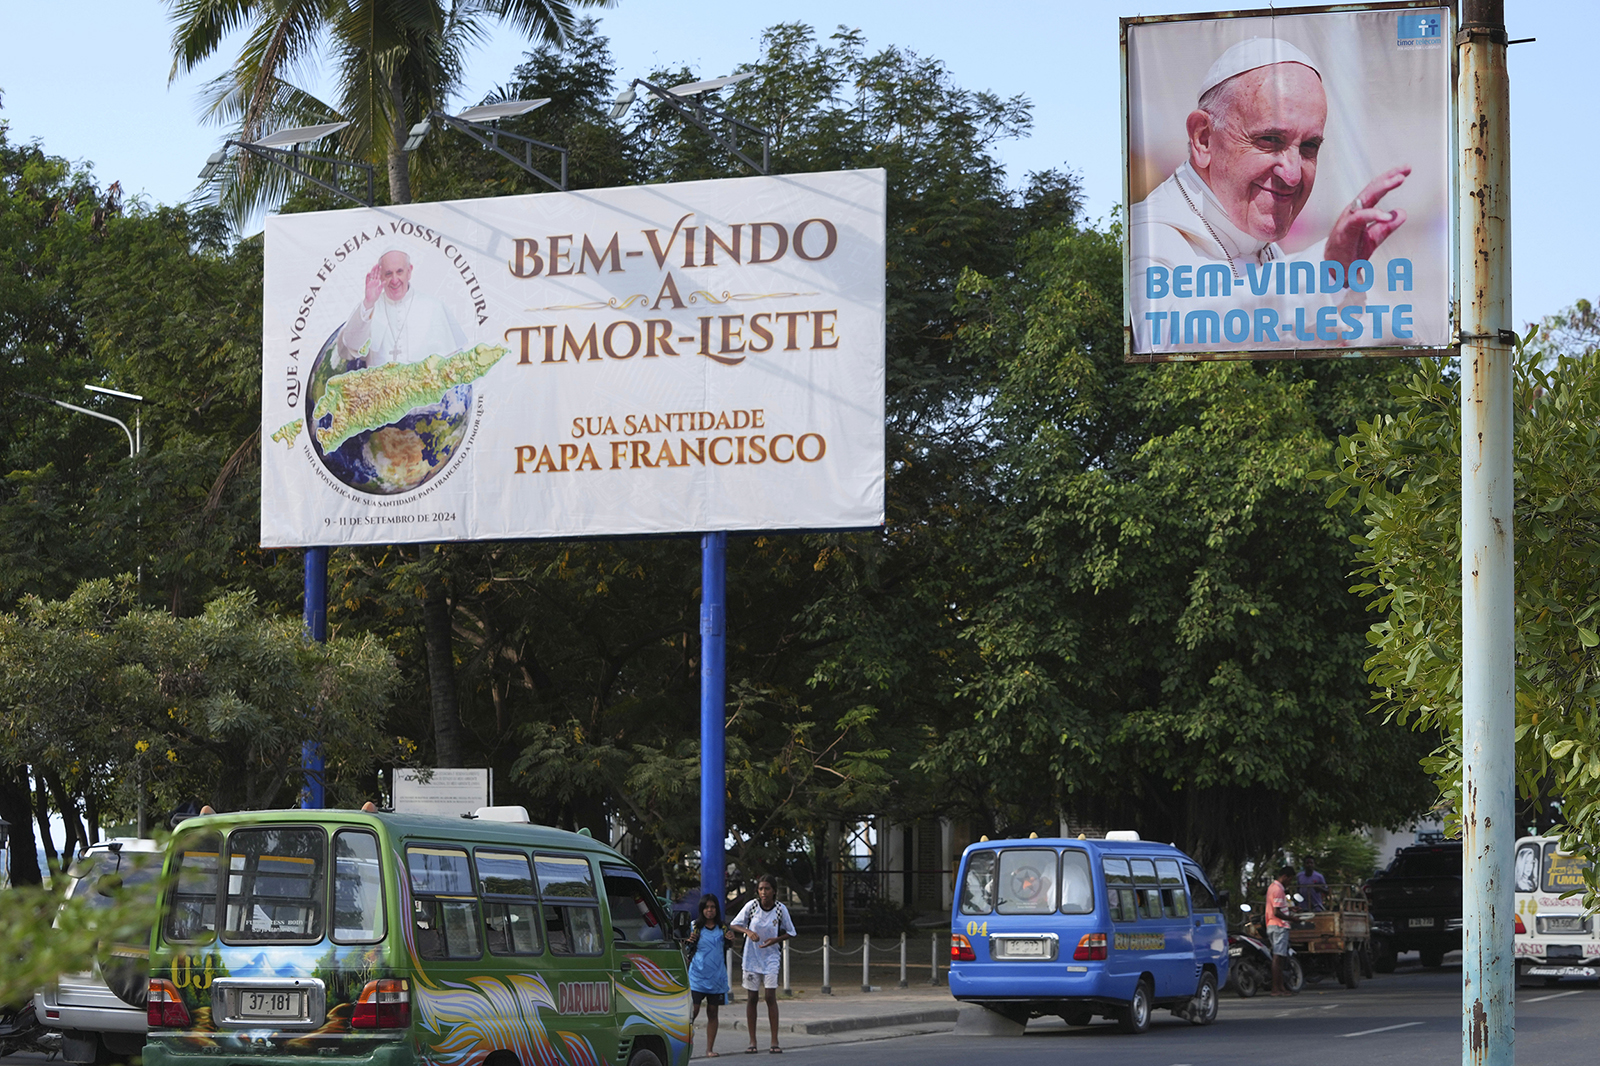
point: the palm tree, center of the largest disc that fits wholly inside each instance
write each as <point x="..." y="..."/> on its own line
<point x="395" y="61"/>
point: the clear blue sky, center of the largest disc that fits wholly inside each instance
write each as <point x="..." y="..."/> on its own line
<point x="88" y="79"/>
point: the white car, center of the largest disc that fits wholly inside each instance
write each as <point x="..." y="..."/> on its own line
<point x="101" y="1014"/>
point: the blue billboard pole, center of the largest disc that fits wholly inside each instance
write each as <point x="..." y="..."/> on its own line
<point x="713" y="722"/>
<point x="316" y="618"/>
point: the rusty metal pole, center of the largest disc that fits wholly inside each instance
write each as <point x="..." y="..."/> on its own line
<point x="1488" y="968"/>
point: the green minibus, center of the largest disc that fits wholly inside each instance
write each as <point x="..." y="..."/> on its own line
<point x="400" y="940"/>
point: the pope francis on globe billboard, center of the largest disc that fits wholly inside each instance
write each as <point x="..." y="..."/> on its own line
<point x="1288" y="184"/>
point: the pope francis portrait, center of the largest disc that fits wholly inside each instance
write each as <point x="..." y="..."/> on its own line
<point x="1254" y="140"/>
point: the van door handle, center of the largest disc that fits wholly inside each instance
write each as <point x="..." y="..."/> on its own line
<point x="626" y="966"/>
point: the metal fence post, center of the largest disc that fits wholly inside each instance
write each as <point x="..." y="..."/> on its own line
<point x="786" y="989"/>
<point x="933" y="958"/>
<point x="903" y="982"/>
<point x="730" y="971"/>
<point x="866" y="960"/>
<point x="827" y="985"/>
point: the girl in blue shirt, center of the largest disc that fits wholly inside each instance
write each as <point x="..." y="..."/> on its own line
<point x="708" y="968"/>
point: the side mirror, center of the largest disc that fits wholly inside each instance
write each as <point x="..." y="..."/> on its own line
<point x="1223" y="900"/>
<point x="681" y="924"/>
<point x="1245" y="907"/>
<point x="1298" y="898"/>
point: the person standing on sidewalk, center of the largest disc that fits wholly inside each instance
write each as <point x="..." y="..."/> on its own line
<point x="765" y="924"/>
<point x="1278" y="926"/>
<point x="708" y="970"/>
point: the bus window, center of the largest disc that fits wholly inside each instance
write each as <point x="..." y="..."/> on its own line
<point x="1144" y="878"/>
<point x="1562" y="873"/>
<point x="357" y="888"/>
<point x="1119" y="890"/>
<point x="192" y="912"/>
<point x="1027" y="881"/>
<point x="977" y="888"/>
<point x="510" y="912"/>
<point x="635" y="916"/>
<point x="275" y="885"/>
<point x="571" y="908"/>
<point x="1173" y="902"/>
<point x="1199" y="892"/>
<point x="1077" y="887"/>
<point x="444" y="903"/>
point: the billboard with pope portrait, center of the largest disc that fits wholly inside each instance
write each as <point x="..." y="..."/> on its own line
<point x="661" y="359"/>
<point x="1288" y="183"/>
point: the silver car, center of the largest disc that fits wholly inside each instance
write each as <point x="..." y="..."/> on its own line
<point x="101" y="1014"/>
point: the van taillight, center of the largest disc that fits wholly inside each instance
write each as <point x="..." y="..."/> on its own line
<point x="1520" y="927"/>
<point x="1091" y="947"/>
<point x="384" y="1004"/>
<point x="164" y="1009"/>
<point x="961" y="949"/>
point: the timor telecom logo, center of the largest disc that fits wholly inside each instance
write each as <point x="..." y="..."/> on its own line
<point x="1413" y="31"/>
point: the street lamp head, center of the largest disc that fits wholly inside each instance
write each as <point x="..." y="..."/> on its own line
<point x="115" y="392"/>
<point x="695" y="88"/>
<point x="414" y="138"/>
<point x="214" y="163"/>
<point x="620" y="105"/>
<point x="503" y="109"/>
<point x="298" y="135"/>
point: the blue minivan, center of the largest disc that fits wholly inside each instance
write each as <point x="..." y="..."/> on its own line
<point x="1079" y="928"/>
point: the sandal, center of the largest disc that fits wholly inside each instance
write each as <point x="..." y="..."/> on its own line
<point x="776" y="1050"/>
<point x="751" y="1050"/>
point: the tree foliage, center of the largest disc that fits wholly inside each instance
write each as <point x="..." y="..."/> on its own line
<point x="1402" y="475"/>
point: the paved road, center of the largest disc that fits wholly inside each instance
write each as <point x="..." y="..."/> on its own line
<point x="1410" y="1018"/>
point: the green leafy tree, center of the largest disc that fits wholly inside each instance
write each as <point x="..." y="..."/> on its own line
<point x="1402" y="475"/>
<point x="114" y="705"/>
<point x="1156" y="606"/>
<point x="394" y="62"/>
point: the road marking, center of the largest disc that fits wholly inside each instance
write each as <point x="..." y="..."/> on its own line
<point x="1385" y="1029"/>
<point x="1557" y="995"/>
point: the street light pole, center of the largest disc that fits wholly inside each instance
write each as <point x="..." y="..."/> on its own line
<point x="1488" y="656"/>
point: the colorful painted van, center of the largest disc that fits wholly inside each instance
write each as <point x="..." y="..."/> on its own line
<point x="294" y="937"/>
<point x="1556" y="936"/>
<point x="1079" y="928"/>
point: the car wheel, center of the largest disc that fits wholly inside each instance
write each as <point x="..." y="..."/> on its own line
<point x="1246" y="980"/>
<point x="1203" y="1006"/>
<point x="1135" y="1016"/>
<point x="644" y="1057"/>
<point x="1350" y="968"/>
<point x="1432" y="958"/>
<point x="1294" y="975"/>
<point x="1384" y="957"/>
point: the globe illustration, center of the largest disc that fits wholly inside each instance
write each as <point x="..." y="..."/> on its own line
<point x="391" y="459"/>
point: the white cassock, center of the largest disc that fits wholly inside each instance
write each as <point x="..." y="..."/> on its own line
<point x="1181" y="232"/>
<point x="407" y="330"/>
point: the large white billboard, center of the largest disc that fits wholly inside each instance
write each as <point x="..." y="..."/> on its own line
<point x="1289" y="183"/>
<point x="657" y="359"/>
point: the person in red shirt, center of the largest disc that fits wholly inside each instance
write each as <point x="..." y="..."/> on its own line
<point x="1278" y="913"/>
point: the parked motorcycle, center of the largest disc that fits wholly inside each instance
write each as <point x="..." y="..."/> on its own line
<point x="20" y="1030"/>
<point x="1250" y="963"/>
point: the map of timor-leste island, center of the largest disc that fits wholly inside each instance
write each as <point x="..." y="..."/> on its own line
<point x="374" y="397"/>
